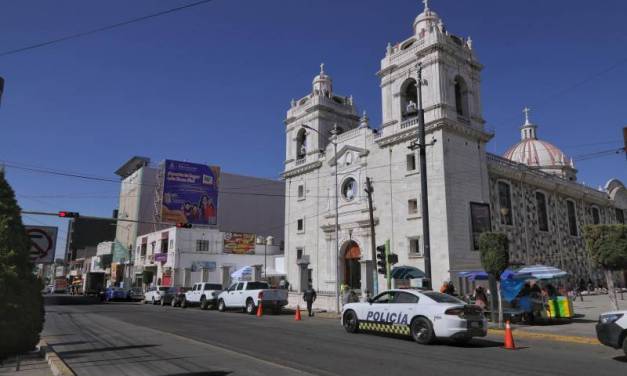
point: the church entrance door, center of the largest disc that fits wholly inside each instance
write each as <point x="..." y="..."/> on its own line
<point x="352" y="268"/>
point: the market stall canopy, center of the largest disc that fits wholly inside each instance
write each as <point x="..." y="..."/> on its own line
<point x="542" y="272"/>
<point x="407" y="272"/>
<point x="243" y="274"/>
<point x="480" y="275"/>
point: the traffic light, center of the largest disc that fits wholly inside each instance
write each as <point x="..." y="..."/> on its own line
<point x="67" y="214"/>
<point x="381" y="260"/>
<point x="392" y="258"/>
<point x="184" y="225"/>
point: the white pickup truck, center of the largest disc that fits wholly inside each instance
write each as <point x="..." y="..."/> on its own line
<point x="247" y="295"/>
<point x="203" y="294"/>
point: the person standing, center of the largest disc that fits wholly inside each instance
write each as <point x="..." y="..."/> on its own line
<point x="309" y="296"/>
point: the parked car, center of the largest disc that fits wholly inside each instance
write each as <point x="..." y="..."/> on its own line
<point x="203" y="294"/>
<point x="173" y="296"/>
<point x="612" y="329"/>
<point x="248" y="295"/>
<point x="116" y="293"/>
<point x="153" y="294"/>
<point x="423" y="315"/>
<point x="136" y="293"/>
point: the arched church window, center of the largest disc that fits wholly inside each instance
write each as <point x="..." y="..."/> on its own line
<point x="541" y="212"/>
<point x="301" y="144"/>
<point x="349" y="189"/>
<point x="409" y="98"/>
<point x="461" y="96"/>
<point x="505" y="203"/>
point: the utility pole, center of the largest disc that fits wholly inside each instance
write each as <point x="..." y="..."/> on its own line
<point x="373" y="242"/>
<point x="422" y="145"/>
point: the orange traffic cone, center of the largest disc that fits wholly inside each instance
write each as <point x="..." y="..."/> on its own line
<point x="297" y="314"/>
<point x="509" y="337"/>
<point x="259" y="310"/>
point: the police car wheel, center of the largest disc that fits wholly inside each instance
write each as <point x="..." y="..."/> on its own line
<point x="351" y="324"/>
<point x="422" y="331"/>
<point x="625" y="345"/>
<point x="221" y="306"/>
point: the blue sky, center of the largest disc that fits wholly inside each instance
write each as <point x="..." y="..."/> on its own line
<point x="212" y="83"/>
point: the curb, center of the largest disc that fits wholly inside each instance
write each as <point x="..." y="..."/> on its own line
<point x="57" y="365"/>
<point x="548" y="337"/>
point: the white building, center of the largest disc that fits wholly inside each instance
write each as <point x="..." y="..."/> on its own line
<point x="181" y="257"/>
<point x="531" y="194"/>
<point x="245" y="204"/>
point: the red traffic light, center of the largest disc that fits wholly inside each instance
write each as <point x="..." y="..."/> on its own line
<point x="184" y="225"/>
<point x="67" y="214"/>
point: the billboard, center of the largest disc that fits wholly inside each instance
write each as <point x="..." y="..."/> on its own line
<point x="43" y="243"/>
<point x="239" y="243"/>
<point x="190" y="193"/>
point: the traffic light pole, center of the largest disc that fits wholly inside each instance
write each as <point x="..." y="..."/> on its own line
<point x="373" y="242"/>
<point x="387" y="264"/>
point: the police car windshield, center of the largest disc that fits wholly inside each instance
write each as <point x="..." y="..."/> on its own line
<point x="442" y="298"/>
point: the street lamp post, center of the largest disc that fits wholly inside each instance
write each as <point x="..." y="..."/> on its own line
<point x="334" y="132"/>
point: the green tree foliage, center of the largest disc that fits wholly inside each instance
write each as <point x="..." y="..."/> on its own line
<point x="21" y="302"/>
<point x="494" y="252"/>
<point x="607" y="246"/>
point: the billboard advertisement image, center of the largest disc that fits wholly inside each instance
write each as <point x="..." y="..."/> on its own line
<point x="190" y="193"/>
<point x="239" y="243"/>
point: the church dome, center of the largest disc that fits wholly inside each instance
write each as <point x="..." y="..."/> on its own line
<point x="322" y="84"/>
<point x="539" y="153"/>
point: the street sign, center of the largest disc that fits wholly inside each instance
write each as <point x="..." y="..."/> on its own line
<point x="43" y="243"/>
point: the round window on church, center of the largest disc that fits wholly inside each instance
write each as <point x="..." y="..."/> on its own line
<point x="349" y="189"/>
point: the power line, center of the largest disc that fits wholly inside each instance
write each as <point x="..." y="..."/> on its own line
<point x="103" y="28"/>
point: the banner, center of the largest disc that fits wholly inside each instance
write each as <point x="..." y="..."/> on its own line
<point x="239" y="243"/>
<point x="199" y="265"/>
<point x="190" y="193"/>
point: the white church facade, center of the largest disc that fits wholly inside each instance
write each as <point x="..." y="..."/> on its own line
<point x="530" y="193"/>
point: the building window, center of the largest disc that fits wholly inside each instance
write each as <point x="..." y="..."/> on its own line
<point x="596" y="217"/>
<point x="505" y="203"/>
<point x="409" y="99"/>
<point x="164" y="242"/>
<point x="572" y="217"/>
<point x="461" y="96"/>
<point x="299" y="253"/>
<point x="300" y="225"/>
<point x="414" y="246"/>
<point x="349" y="189"/>
<point x="620" y="216"/>
<point x="202" y="245"/>
<point x="411" y="162"/>
<point x="144" y="247"/>
<point x="301" y="191"/>
<point x="412" y="206"/>
<point x="541" y="212"/>
<point x="301" y="144"/>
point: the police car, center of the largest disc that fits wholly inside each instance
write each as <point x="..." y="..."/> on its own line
<point x="612" y="329"/>
<point x="424" y="315"/>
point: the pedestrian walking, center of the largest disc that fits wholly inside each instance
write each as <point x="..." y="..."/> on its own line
<point x="309" y="296"/>
<point x="481" y="299"/>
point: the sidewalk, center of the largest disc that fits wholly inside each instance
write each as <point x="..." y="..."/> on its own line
<point x="29" y="366"/>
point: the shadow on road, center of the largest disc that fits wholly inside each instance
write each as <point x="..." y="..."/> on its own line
<point x="70" y="300"/>
<point x="202" y="373"/>
<point x="622" y="359"/>
<point x="73" y="353"/>
<point x="68" y="343"/>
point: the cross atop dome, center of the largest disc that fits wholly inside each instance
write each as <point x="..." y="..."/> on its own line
<point x="321" y="69"/>
<point x="426" y="3"/>
<point x="526" y="111"/>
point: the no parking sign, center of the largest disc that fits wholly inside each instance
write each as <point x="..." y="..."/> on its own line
<point x="43" y="243"/>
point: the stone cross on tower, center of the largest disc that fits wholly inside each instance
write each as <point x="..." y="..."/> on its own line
<point x="426" y="3"/>
<point x="321" y="69"/>
<point x="526" y="111"/>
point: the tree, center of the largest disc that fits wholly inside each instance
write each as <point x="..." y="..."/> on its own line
<point x="494" y="251"/>
<point x="607" y="246"/>
<point x="21" y="302"/>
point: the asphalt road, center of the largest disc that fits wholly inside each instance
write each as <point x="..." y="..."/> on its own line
<point x="136" y="339"/>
